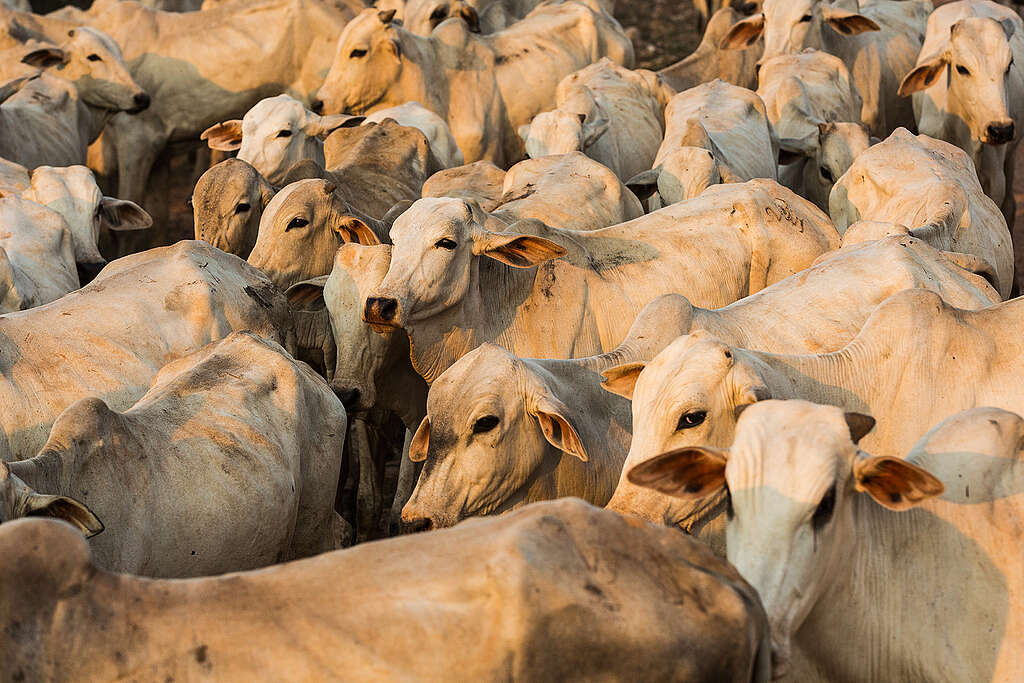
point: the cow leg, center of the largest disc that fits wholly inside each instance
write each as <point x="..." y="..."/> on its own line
<point x="138" y="140"/>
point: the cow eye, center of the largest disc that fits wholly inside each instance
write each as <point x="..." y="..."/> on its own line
<point x="356" y="54"/>
<point x="805" y="18"/>
<point x="827" y="175"/>
<point x="94" y="58"/>
<point x="439" y="13"/>
<point x="1009" y="65"/>
<point x="485" y="424"/>
<point x="284" y="133"/>
<point x="823" y="513"/>
<point x="296" y="222"/>
<point x="241" y="207"/>
<point x="445" y="243"/>
<point x="729" y="512"/>
<point x="961" y="69"/>
<point x="690" y="420"/>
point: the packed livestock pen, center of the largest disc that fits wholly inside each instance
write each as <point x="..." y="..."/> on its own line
<point x="511" y="340"/>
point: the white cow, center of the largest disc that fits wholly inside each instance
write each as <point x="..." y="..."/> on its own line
<point x="480" y="181"/>
<point x="846" y="549"/>
<point x="710" y="61"/>
<point x="929" y="188"/>
<point x="714" y="133"/>
<point x="228" y="479"/>
<point x="37" y="258"/>
<point x="415" y="115"/>
<point x="968" y="89"/>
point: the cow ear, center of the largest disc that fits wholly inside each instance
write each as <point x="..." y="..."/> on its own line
<point x="859" y="425"/>
<point x="750" y="395"/>
<point x="352" y="229"/>
<point x="922" y="76"/>
<point x="386" y="16"/>
<point x="62" y="507"/>
<point x="593" y="131"/>
<point x="267" y="191"/>
<point x="895" y="483"/>
<point x="621" y="380"/>
<point x="744" y="33"/>
<point x="308" y="294"/>
<point x="516" y="250"/>
<point x="322" y="126"/>
<point x="1008" y="27"/>
<point x="645" y="183"/>
<point x="225" y="137"/>
<point x="693" y="473"/>
<point x="46" y="57"/>
<point x="121" y="215"/>
<point x="469" y="15"/>
<point x="420" y="442"/>
<point x="846" y="22"/>
<point x="524" y="132"/>
<point x="557" y="430"/>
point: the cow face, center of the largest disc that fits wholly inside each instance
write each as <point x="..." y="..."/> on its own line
<point x="18" y="500"/>
<point x="791" y="479"/>
<point x="227" y="204"/>
<point x="72" y="192"/>
<point x="562" y="132"/>
<point x="838" y="145"/>
<point x="301" y="228"/>
<point x="367" y="64"/>
<point x="686" y="396"/>
<point x="978" y="68"/>
<point x="92" y="61"/>
<point x="491" y="423"/>
<point x="789" y="27"/>
<point x="438" y="247"/>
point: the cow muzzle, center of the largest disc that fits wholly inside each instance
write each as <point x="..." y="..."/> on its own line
<point x="416" y="525"/>
<point x="384" y="311"/>
<point x="140" y="102"/>
<point x="999" y="132"/>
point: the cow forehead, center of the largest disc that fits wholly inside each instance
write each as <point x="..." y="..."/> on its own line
<point x="76" y="181"/>
<point x="96" y="40"/>
<point x="273" y="111"/>
<point x="688" y="358"/>
<point x="363" y="26"/>
<point x="787" y="10"/>
<point x="432" y="215"/>
<point x="488" y="372"/>
<point x="981" y="38"/>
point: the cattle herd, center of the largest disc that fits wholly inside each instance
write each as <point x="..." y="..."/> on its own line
<point x="705" y="374"/>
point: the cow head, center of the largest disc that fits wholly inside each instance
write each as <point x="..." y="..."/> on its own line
<point x="790" y="479"/>
<point x="838" y="145"/>
<point x="571" y="128"/>
<point x="92" y="61"/>
<point x="423" y="16"/>
<point x="18" y="500"/>
<point x="687" y="395"/>
<point x="491" y="423"/>
<point x="276" y="134"/>
<point x="227" y="204"/>
<point x="440" y="245"/>
<point x="975" y="67"/>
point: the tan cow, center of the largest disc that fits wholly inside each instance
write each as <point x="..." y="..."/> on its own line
<point x="439" y="135"/>
<point x="968" y="89"/>
<point x="930" y="188"/>
<point x="460" y="277"/>
<point x="825" y="532"/>
<point x="474" y="82"/>
<point x="480" y="181"/>
<point x="228" y="479"/>
<point x="486" y="596"/>
<point x="227" y="205"/>
<point x="878" y="44"/>
<point x="110" y="338"/>
<point x="714" y="133"/>
<point x="614" y="115"/>
<point x="710" y="61"/>
<point x="916" y="361"/>
<point x="815" y="107"/>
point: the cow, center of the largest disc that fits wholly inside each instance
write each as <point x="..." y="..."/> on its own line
<point x="716" y="132"/>
<point x="612" y="114"/>
<point x="710" y="61"/>
<point x="869" y="543"/>
<point x="916" y="361"/>
<point x="459" y="277"/>
<point x="37" y="258"/>
<point x="480" y="181"/>
<point x="473" y="82"/>
<point x="227" y="204"/>
<point x="968" y="89"/>
<point x="169" y="302"/>
<point x="415" y="115"/>
<point x="930" y="188"/>
<point x="277" y="133"/>
<point x="502" y="432"/>
<point x="481" y="16"/>
<point x="814" y="106"/>
<point x="878" y="44"/>
<point x="360" y="613"/>
<point x="229" y="482"/>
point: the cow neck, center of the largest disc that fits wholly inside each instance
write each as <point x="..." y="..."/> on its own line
<point x="49" y="472"/>
<point x="842" y="378"/>
<point x="729" y="326"/>
<point x="419" y="68"/>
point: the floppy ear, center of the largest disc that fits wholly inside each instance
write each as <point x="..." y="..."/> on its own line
<point x="693" y="472"/>
<point x="352" y="229"/>
<point x="62" y="507"/>
<point x="645" y="183"/>
<point x="122" y="215"/>
<point x="46" y="57"/>
<point x="1008" y="27"/>
<point x="225" y="137"/>
<point x="744" y="33"/>
<point x="621" y="380"/>
<point x="267" y="191"/>
<point x="308" y="294"/>
<point x="894" y="483"/>
<point x="420" y="442"/>
<point x="923" y="76"/>
<point x="10" y="88"/>
<point x="516" y="250"/>
<point x="594" y="130"/>
<point x="524" y="132"/>
<point x="387" y="15"/>
<point x="846" y="22"/>
<point x="471" y="18"/>
<point x="557" y="430"/>
<point x="859" y="425"/>
<point x="322" y="126"/>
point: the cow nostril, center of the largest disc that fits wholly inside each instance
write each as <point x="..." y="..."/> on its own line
<point x="380" y="308"/>
<point x="349" y="397"/>
<point x="999" y="133"/>
<point x="317" y="106"/>
<point x="141" y="101"/>
<point x="415" y="526"/>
